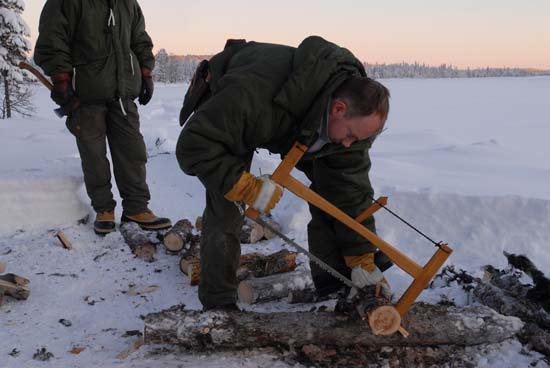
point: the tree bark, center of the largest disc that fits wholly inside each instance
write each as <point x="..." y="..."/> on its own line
<point x="251" y="264"/>
<point x="181" y="236"/>
<point x="428" y="325"/>
<point x="259" y="265"/>
<point x="138" y="241"/>
<point x="265" y="289"/>
<point x="7" y="101"/>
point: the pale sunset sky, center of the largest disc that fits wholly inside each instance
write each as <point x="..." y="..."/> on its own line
<point x="511" y="33"/>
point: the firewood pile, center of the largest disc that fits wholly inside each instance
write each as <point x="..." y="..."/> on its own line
<point x="263" y="277"/>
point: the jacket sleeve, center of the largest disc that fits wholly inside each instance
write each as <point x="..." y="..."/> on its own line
<point x="53" y="46"/>
<point x="218" y="141"/>
<point x="141" y="43"/>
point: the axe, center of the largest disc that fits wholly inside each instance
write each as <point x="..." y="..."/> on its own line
<point x="60" y="111"/>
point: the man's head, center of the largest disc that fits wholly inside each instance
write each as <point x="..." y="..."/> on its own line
<point x="358" y="110"/>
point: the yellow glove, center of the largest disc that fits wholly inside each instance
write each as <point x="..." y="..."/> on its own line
<point x="260" y="193"/>
<point x="364" y="272"/>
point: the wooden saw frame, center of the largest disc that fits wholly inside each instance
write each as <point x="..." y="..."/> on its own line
<point x="422" y="275"/>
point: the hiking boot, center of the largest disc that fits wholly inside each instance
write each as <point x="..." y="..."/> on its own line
<point x="104" y="222"/>
<point x="147" y="220"/>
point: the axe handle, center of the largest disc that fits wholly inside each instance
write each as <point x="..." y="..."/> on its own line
<point x="37" y="74"/>
<point x="60" y="111"/>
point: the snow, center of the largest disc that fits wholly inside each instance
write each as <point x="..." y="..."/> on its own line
<point x="463" y="160"/>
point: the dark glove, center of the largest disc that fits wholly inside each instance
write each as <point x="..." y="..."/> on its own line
<point x="62" y="90"/>
<point x="147" y="86"/>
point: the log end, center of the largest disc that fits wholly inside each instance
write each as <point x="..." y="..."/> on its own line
<point x="194" y="272"/>
<point x="384" y="320"/>
<point x="145" y="252"/>
<point x="173" y="242"/>
<point x="245" y="293"/>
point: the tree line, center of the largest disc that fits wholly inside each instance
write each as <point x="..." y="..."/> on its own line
<point x="177" y="69"/>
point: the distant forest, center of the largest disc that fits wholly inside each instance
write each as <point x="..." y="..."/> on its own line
<point x="177" y="69"/>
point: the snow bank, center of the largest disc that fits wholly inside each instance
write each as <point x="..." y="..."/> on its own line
<point x="40" y="203"/>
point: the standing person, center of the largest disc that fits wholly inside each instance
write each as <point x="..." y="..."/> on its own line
<point x="268" y="96"/>
<point x="100" y="59"/>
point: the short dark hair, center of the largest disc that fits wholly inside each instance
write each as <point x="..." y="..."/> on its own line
<point x="365" y="96"/>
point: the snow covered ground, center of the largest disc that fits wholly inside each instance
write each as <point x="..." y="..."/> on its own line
<point x="464" y="160"/>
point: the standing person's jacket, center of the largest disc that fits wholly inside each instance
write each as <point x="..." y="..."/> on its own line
<point x="262" y="96"/>
<point x="101" y="43"/>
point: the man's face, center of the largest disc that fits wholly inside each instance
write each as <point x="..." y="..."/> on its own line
<point x="346" y="130"/>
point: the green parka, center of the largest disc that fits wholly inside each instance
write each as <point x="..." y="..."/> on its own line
<point x="263" y="96"/>
<point x="103" y="41"/>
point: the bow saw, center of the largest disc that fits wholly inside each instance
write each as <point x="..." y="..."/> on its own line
<point x="383" y="319"/>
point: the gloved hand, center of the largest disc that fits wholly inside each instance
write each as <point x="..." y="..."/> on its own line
<point x="260" y="193"/>
<point x="147" y="86"/>
<point x="364" y="272"/>
<point x="62" y="91"/>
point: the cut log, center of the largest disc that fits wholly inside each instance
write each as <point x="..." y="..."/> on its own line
<point x="191" y="267"/>
<point x="198" y="223"/>
<point x="251" y="265"/>
<point x="264" y="289"/>
<point x="14" y="286"/>
<point x="258" y="265"/>
<point x="176" y="238"/>
<point x="428" y="325"/>
<point x="252" y="233"/>
<point x="138" y="241"/>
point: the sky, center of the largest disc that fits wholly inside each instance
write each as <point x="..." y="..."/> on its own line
<point x="509" y="33"/>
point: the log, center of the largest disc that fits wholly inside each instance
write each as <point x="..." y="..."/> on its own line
<point x="251" y="264"/>
<point x="540" y="293"/>
<point x="14" y="286"/>
<point x="429" y="325"/>
<point x="178" y="236"/>
<point x="138" y="241"/>
<point x="64" y="240"/>
<point x="198" y="223"/>
<point x="264" y="289"/>
<point x="306" y="295"/>
<point x="259" y="265"/>
<point x="191" y="267"/>
<point x="504" y="292"/>
<point x="252" y="233"/>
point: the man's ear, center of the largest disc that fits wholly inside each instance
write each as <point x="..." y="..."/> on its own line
<point x="339" y="108"/>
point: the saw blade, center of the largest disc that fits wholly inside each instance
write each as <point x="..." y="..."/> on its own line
<point x="311" y="256"/>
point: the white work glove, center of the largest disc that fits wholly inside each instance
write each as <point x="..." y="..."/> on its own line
<point x="362" y="278"/>
<point x="260" y="193"/>
<point x="269" y="195"/>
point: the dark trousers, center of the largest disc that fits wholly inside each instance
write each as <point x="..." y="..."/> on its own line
<point x="94" y="125"/>
<point x="220" y="251"/>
